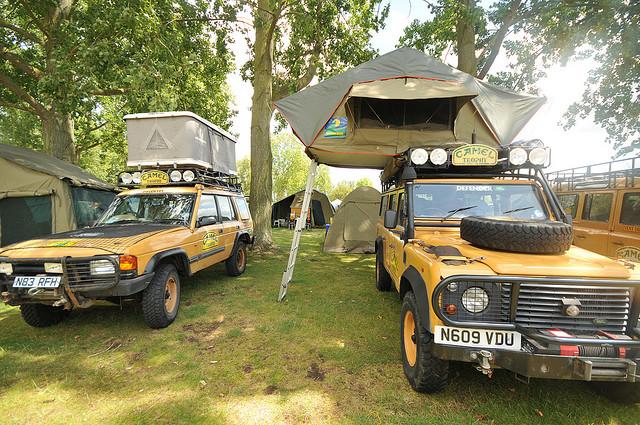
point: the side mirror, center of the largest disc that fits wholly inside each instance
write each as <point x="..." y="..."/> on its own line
<point x="206" y="221"/>
<point x="390" y="219"/>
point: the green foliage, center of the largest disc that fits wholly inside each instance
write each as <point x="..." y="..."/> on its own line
<point x="342" y="189"/>
<point x="244" y="174"/>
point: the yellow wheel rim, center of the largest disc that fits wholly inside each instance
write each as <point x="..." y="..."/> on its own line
<point x="171" y="294"/>
<point x="241" y="258"/>
<point x="409" y="337"/>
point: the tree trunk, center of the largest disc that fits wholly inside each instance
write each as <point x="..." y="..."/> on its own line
<point x="261" y="157"/>
<point x="466" y="38"/>
<point x="58" y="138"/>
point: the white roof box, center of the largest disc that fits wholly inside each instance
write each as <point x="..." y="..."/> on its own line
<point x="181" y="138"/>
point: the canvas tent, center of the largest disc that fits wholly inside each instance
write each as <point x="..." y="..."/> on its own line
<point x="369" y="115"/>
<point x="40" y="195"/>
<point x="353" y="228"/>
<point x="321" y="209"/>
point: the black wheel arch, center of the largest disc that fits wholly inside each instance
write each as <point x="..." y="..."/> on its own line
<point x="177" y="256"/>
<point x="412" y="281"/>
<point x="243" y="236"/>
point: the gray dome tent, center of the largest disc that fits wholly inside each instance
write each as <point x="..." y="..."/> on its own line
<point x="354" y="226"/>
<point x="321" y="209"/>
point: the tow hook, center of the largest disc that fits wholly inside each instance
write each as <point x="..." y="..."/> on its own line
<point x="483" y="357"/>
<point x="35" y="291"/>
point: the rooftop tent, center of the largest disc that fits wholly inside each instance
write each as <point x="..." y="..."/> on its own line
<point x="367" y="114"/>
<point x="40" y="195"/>
<point x="354" y="226"/>
<point x="321" y="209"/>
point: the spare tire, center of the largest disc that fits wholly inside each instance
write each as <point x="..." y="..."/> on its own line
<point x="505" y="234"/>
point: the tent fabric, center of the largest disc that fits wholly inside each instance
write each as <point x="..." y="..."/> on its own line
<point x="445" y="107"/>
<point x="354" y="226"/>
<point x="26" y="182"/>
<point x="322" y="211"/>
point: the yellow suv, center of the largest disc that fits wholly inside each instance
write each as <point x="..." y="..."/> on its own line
<point x="604" y="201"/>
<point x="169" y="223"/>
<point x="479" y="250"/>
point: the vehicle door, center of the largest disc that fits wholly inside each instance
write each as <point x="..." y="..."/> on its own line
<point x="207" y="248"/>
<point x="592" y="232"/>
<point x="569" y="203"/>
<point x="393" y="239"/>
<point x="624" y="240"/>
<point x="230" y="223"/>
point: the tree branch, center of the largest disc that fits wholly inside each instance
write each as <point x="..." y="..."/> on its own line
<point x="26" y="35"/>
<point x="99" y="126"/>
<point x="498" y="37"/>
<point x="20" y="64"/>
<point x="17" y="106"/>
<point x="22" y="94"/>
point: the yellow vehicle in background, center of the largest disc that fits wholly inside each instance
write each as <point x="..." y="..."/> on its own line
<point x="479" y="249"/>
<point x="604" y="201"/>
<point x="170" y="223"/>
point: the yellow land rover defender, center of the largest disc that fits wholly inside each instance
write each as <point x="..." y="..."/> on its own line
<point x="169" y="223"/>
<point x="479" y="249"/>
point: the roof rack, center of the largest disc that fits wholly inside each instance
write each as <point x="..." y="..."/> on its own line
<point x="204" y="176"/>
<point x="620" y="173"/>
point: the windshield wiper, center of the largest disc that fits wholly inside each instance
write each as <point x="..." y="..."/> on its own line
<point x="171" y="220"/>
<point x="123" y="221"/>
<point x="455" y="211"/>
<point x="517" y="209"/>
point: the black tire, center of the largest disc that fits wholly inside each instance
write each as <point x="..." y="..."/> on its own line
<point x="427" y="374"/>
<point x="619" y="392"/>
<point x="383" y="279"/>
<point x="161" y="300"/>
<point x="530" y="236"/>
<point x="236" y="264"/>
<point x="41" y="315"/>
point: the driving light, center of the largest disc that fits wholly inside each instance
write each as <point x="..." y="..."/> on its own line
<point x="517" y="156"/>
<point x="538" y="156"/>
<point x="475" y="299"/>
<point x="419" y="156"/>
<point x="438" y="156"/>
<point x="452" y="287"/>
<point x="175" y="176"/>
<point x="53" y="268"/>
<point x="126" y="178"/>
<point x="99" y="267"/>
<point x="6" y="268"/>
<point x="128" y="262"/>
<point x="188" y="176"/>
<point x="136" y="177"/>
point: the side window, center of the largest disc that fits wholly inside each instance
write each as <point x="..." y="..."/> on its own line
<point x="383" y="205"/>
<point x="208" y="207"/>
<point x="630" y="213"/>
<point x="569" y="204"/>
<point x="392" y="202"/>
<point x="400" y="207"/>
<point x="226" y="209"/>
<point x="597" y="206"/>
<point x="243" y="208"/>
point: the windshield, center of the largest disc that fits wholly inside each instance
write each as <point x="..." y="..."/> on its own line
<point x="454" y="201"/>
<point x="153" y="208"/>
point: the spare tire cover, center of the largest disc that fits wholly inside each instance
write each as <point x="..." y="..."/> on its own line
<point x="530" y="236"/>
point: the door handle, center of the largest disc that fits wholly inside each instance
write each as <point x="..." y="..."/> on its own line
<point x="221" y="230"/>
<point x="618" y="243"/>
<point x="580" y="236"/>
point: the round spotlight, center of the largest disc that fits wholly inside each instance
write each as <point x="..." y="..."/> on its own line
<point x="517" y="156"/>
<point x="452" y="287"/>
<point x="438" y="156"/>
<point x="538" y="156"/>
<point x="475" y="299"/>
<point x="419" y="156"/>
<point x="126" y="178"/>
<point x="188" y="176"/>
<point x="136" y="177"/>
<point x="175" y="176"/>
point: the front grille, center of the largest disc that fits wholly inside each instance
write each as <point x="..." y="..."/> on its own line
<point x="602" y="308"/>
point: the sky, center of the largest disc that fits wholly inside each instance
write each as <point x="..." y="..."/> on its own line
<point x="581" y="145"/>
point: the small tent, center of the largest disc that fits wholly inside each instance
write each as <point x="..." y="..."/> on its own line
<point x="354" y="226"/>
<point x="40" y="195"/>
<point x="321" y="209"/>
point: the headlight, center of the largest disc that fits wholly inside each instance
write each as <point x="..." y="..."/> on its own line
<point x="475" y="299"/>
<point x="53" y="268"/>
<point x="126" y="178"/>
<point x="438" y="156"/>
<point x="188" y="176"/>
<point x="175" y="176"/>
<point x="99" y="267"/>
<point x="538" y="156"/>
<point x="419" y="156"/>
<point x="517" y="156"/>
<point x="136" y="177"/>
<point x="6" y="268"/>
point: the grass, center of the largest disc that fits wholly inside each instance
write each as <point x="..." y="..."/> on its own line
<point x="328" y="354"/>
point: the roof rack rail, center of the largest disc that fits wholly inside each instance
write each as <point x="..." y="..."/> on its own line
<point x="204" y="176"/>
<point x="619" y="173"/>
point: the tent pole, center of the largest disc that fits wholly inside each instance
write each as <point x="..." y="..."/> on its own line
<point x="300" y="224"/>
